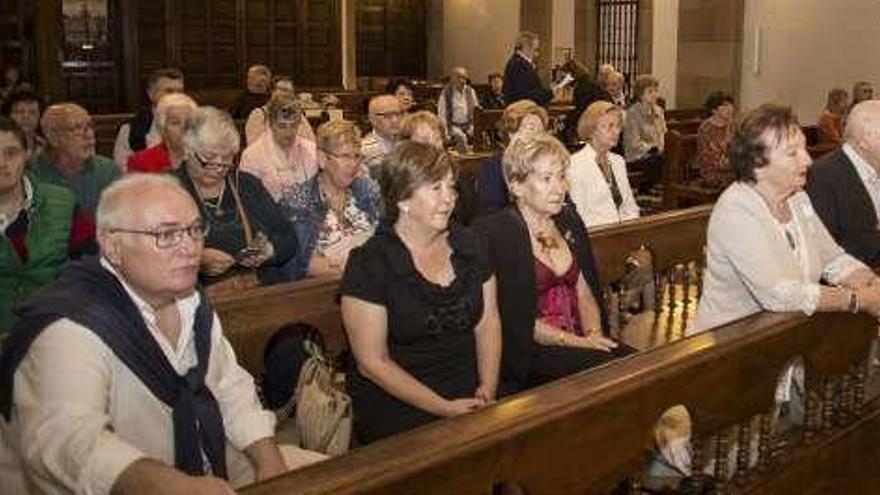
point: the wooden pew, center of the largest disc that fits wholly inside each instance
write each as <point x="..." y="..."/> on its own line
<point x="681" y="187"/>
<point x="106" y="129"/>
<point x="250" y="317"/>
<point x="486" y="133"/>
<point x="588" y="432"/>
<point x="676" y="240"/>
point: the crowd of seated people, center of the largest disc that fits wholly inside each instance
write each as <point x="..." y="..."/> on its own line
<point x="456" y="291"/>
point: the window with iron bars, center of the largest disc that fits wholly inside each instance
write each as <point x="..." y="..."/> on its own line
<point x="617" y="39"/>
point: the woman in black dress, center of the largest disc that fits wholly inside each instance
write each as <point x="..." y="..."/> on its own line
<point x="418" y="303"/>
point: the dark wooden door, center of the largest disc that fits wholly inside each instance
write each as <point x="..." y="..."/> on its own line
<point x="391" y="39"/>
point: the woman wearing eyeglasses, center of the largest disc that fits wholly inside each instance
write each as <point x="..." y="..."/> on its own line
<point x="337" y="209"/>
<point x="281" y="158"/>
<point x="246" y="230"/>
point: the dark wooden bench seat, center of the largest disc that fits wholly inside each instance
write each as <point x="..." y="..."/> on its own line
<point x="586" y="433"/>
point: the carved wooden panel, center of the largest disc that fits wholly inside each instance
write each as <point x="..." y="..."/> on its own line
<point x="391" y="38"/>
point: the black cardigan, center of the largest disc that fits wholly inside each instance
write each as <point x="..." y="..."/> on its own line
<point x="512" y="260"/>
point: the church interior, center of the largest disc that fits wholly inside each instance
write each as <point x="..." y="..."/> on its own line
<point x="696" y="391"/>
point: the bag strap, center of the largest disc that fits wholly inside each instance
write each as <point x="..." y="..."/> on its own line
<point x="239" y="206"/>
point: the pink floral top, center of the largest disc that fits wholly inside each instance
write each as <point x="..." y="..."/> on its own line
<point x="278" y="168"/>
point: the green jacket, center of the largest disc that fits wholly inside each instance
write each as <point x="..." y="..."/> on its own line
<point x="47" y="240"/>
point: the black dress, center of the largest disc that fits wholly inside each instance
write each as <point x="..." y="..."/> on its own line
<point x="430" y="327"/>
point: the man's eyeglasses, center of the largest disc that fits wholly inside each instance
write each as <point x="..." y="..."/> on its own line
<point x="389" y="115"/>
<point x="352" y="157"/>
<point x="80" y="128"/>
<point x="213" y="164"/>
<point x="168" y="238"/>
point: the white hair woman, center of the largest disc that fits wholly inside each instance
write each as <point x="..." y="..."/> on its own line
<point x="172" y="116"/>
<point x="247" y="230"/>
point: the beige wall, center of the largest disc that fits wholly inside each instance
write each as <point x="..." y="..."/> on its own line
<point x="807" y="47"/>
<point x="664" y="48"/>
<point x="478" y="34"/>
<point x="709" y="49"/>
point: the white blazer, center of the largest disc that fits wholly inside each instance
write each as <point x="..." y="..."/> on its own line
<point x="591" y="194"/>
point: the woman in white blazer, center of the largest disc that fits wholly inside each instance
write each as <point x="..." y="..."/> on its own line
<point x="598" y="184"/>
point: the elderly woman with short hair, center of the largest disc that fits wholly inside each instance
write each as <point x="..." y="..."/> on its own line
<point x="172" y="116"/>
<point x="598" y="182"/>
<point x="520" y="118"/>
<point x="281" y="157"/>
<point x="549" y="293"/>
<point x="247" y="230"/>
<point x="789" y="252"/>
<point x="644" y="130"/>
<point x="418" y="303"/>
<point x="337" y="209"/>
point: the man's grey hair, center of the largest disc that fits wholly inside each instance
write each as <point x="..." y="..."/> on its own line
<point x="213" y="130"/>
<point x="114" y="207"/>
<point x="523" y="39"/>
<point x="171" y="101"/>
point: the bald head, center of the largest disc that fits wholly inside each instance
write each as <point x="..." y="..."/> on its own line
<point x="458" y="77"/>
<point x="863" y="131"/>
<point x="385" y="113"/>
<point x="68" y="128"/>
<point x="57" y="117"/>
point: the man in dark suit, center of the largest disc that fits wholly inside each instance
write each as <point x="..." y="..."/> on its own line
<point x="521" y="81"/>
<point x="844" y="185"/>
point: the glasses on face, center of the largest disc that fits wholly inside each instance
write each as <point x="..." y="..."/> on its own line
<point x="80" y="128"/>
<point x="395" y="114"/>
<point x="349" y="157"/>
<point x="171" y="237"/>
<point x="213" y="164"/>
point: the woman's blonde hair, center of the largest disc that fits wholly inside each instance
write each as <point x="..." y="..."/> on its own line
<point x="515" y="113"/>
<point x="590" y="118"/>
<point x="415" y="119"/>
<point x="522" y="153"/>
<point x="333" y="133"/>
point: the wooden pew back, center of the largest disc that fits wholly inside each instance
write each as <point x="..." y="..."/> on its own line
<point x="586" y="433"/>
<point x="106" y="129"/>
<point x="676" y="240"/>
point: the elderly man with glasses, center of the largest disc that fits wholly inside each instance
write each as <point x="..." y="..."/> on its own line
<point x="69" y="160"/>
<point x="385" y="112"/>
<point x="118" y="379"/>
<point x="250" y="240"/>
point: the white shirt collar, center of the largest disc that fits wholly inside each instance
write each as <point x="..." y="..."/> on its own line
<point x="865" y="170"/>
<point x="6" y="220"/>
<point x="186" y="305"/>
<point x="527" y="59"/>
